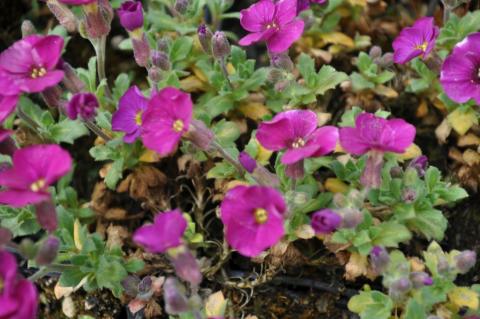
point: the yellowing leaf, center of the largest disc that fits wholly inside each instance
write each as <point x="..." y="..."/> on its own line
<point x="361" y="3"/>
<point x="335" y="185"/>
<point x="192" y="84"/>
<point x="356" y="266"/>
<point x="338" y="38"/>
<point x="150" y="156"/>
<point x="215" y="305"/>
<point x="462" y="121"/>
<point x="254" y="110"/>
<point x="230" y="69"/>
<point x="76" y="235"/>
<point x="263" y="155"/>
<point x="463" y="297"/>
<point x="411" y="152"/>
<point x="199" y="74"/>
<point x="385" y="91"/>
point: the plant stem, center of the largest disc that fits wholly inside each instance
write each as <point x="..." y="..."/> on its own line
<point x="27" y="119"/>
<point x="223" y="66"/>
<point x="446" y="13"/>
<point x="100" y="51"/>
<point x="43" y="271"/>
<point x="97" y="130"/>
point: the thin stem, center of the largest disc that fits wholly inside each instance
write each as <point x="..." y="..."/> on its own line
<point x="27" y="119"/>
<point x="223" y="66"/>
<point x="100" y="51"/>
<point x="97" y="130"/>
<point x="43" y="271"/>
<point x="447" y="10"/>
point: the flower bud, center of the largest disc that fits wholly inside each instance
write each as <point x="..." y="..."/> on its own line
<point x="154" y="74"/>
<point x="48" y="251"/>
<point x="372" y="174"/>
<point x="141" y="48"/>
<point x="97" y="20"/>
<point x="325" y="221"/>
<point x="420" y="164"/>
<point x="162" y="45"/>
<point x="399" y="288"/>
<point x="220" y="45"/>
<point x="5" y="236"/>
<point x="145" y="291"/>
<point x="205" y="38"/>
<point x="386" y="60"/>
<point x="351" y="217"/>
<point x="296" y="170"/>
<point x="46" y="215"/>
<point x="281" y="85"/>
<point x="442" y="265"/>
<point x="27" y="248"/>
<point x="379" y="259"/>
<point x="131" y="15"/>
<point x="282" y="61"/>
<point x="275" y="75"/>
<point x="185" y="264"/>
<point x="28" y="28"/>
<point x="63" y="14"/>
<point x="409" y="195"/>
<point x="52" y="96"/>
<point x="174" y="295"/>
<point x="130" y="285"/>
<point x="160" y="59"/>
<point x="465" y="261"/>
<point x="181" y="6"/>
<point x="71" y="81"/>
<point x="420" y="279"/>
<point x="248" y="162"/>
<point x="84" y="105"/>
<point x="396" y="171"/>
<point x="375" y="52"/>
<point x="200" y="135"/>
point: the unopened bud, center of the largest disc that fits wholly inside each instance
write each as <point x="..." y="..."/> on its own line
<point x="396" y="171"/>
<point x="130" y="285"/>
<point x="155" y="74"/>
<point x="375" y="52"/>
<point x="160" y="59"/>
<point x="71" y="81"/>
<point x="465" y="261"/>
<point x="409" y="195"/>
<point x="200" y="135"/>
<point x="442" y="266"/>
<point x="63" y="14"/>
<point x="275" y="75"/>
<point x="185" y="264"/>
<point x="220" y="45"/>
<point x="97" y="19"/>
<point x="28" y="28"/>
<point x="205" y="38"/>
<point x="399" y="288"/>
<point x="175" y="298"/>
<point x="379" y="259"/>
<point x="48" y="251"/>
<point x="248" y="162"/>
<point x="46" y="215"/>
<point x="141" y="49"/>
<point x="162" y="45"/>
<point x="420" y="279"/>
<point x="282" y="61"/>
<point x="386" y="60"/>
<point x="351" y="217"/>
<point x="181" y="6"/>
<point x="420" y="164"/>
<point x="5" y="236"/>
<point x="27" y="248"/>
<point x="145" y="291"/>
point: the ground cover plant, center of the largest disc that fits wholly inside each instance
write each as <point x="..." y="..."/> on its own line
<point x="212" y="159"/>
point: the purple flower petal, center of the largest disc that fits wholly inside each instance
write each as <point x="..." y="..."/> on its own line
<point x="257" y="16"/>
<point x="285" y="37"/>
<point x="129" y="116"/>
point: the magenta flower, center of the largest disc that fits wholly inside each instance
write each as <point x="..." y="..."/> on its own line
<point x="131" y="15"/>
<point x="7" y="105"/>
<point x="30" y="65"/>
<point x="296" y="132"/>
<point x="83" y="104"/>
<point x="129" y="116"/>
<point x="247" y="162"/>
<point x="325" y="221"/>
<point x="166" y="232"/>
<point x="166" y="119"/>
<point x="18" y="297"/>
<point x="253" y="218"/>
<point x="460" y="75"/>
<point x="305" y="4"/>
<point x="34" y="169"/>
<point x="414" y="41"/>
<point x="376" y="135"/>
<point x="274" y="23"/>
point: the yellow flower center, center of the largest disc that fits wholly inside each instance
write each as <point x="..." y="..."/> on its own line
<point x="38" y="185"/>
<point x="90" y="7"/>
<point x="38" y="72"/>
<point x="299" y="142"/>
<point x="178" y="126"/>
<point x="272" y="25"/>
<point x="261" y="216"/>
<point x="138" y="118"/>
<point x="422" y="46"/>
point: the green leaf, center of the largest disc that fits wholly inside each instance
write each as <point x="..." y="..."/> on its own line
<point x="390" y="234"/>
<point x="180" y="48"/>
<point x="414" y="310"/>
<point x="114" y="174"/>
<point x="221" y="170"/>
<point x="134" y="265"/>
<point x="71" y="277"/>
<point x="226" y="132"/>
<point x="67" y="131"/>
<point x="306" y="66"/>
<point x="328" y="78"/>
<point x="109" y="274"/>
<point x="371" y="304"/>
<point x="20" y="221"/>
<point x="430" y="223"/>
<point x="359" y="82"/>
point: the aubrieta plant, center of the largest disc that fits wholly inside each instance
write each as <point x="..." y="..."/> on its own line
<point x="208" y="154"/>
